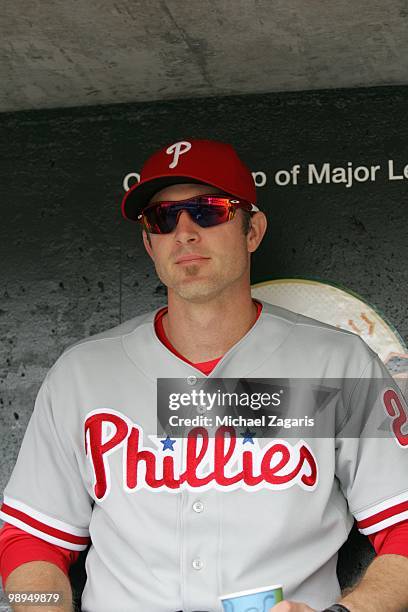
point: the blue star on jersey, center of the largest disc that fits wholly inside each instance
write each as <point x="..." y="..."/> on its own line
<point x="168" y="443"/>
<point x="248" y="436"/>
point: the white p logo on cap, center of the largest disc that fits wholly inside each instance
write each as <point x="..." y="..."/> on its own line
<point x="178" y="148"/>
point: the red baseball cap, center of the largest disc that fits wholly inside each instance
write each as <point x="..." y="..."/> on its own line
<point x="190" y="161"/>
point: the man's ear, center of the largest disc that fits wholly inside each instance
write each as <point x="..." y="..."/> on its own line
<point x="257" y="231"/>
<point x="147" y="243"/>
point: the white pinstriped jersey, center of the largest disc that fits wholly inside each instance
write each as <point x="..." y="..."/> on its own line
<point x="91" y="469"/>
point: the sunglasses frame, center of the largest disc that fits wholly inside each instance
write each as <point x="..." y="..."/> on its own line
<point x="233" y="202"/>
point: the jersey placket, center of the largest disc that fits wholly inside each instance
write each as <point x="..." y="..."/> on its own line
<point x="199" y="553"/>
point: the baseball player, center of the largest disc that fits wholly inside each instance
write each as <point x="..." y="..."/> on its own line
<point x="174" y="523"/>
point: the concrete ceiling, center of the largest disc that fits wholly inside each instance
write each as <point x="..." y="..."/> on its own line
<point x="63" y="53"/>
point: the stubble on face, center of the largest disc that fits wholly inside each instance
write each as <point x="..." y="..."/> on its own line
<point x="201" y="282"/>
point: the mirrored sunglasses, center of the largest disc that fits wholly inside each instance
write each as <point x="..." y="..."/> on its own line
<point x="205" y="210"/>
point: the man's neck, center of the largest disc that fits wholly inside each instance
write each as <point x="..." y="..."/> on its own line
<point x="205" y="331"/>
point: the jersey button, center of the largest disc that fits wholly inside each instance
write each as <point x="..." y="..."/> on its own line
<point x="197" y="564"/>
<point x="192" y="380"/>
<point x="198" y="506"/>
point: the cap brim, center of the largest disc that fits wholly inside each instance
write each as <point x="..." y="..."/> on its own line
<point x="140" y="194"/>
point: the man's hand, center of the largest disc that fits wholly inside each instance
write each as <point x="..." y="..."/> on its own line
<point x="291" y="606"/>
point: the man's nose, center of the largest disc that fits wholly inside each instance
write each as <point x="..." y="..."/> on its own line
<point x="186" y="228"/>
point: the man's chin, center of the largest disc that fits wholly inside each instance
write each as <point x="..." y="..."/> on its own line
<point x="196" y="292"/>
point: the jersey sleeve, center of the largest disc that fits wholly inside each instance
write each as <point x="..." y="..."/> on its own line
<point x="46" y="495"/>
<point x="372" y="450"/>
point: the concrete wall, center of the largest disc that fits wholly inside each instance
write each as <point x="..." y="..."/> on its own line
<point x="64" y="53"/>
<point x="71" y="266"/>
